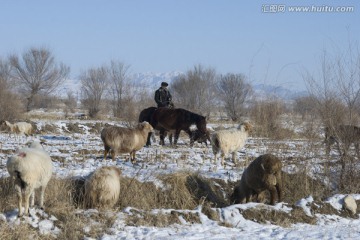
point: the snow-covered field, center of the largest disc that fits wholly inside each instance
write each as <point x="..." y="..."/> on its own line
<point x="79" y="153"/>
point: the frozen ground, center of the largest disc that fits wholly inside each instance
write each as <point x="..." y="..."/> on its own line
<point x="77" y="154"/>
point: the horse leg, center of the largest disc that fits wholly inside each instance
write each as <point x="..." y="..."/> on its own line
<point x="148" y="141"/>
<point x="192" y="137"/>
<point x="170" y="137"/>
<point x="177" y="133"/>
<point x="162" y="136"/>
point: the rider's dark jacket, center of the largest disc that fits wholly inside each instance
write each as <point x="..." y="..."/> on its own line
<point x="163" y="97"/>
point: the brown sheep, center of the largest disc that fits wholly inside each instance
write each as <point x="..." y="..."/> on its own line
<point x="102" y="187"/>
<point x="264" y="173"/>
<point x="125" y="140"/>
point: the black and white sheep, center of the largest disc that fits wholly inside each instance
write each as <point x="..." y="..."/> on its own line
<point x="125" y="140"/>
<point x="229" y="141"/>
<point x="102" y="187"/>
<point x="31" y="168"/>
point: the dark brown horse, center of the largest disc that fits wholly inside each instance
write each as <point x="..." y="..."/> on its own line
<point x="177" y="119"/>
<point x="146" y="115"/>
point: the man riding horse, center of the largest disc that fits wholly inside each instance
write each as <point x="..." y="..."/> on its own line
<point x="163" y="97"/>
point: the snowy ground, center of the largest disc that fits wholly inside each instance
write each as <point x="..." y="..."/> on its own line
<point x="77" y="154"/>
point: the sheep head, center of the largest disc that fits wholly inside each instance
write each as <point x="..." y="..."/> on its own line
<point x="247" y="127"/>
<point x="145" y="126"/>
<point x="263" y="174"/>
<point x="271" y="165"/>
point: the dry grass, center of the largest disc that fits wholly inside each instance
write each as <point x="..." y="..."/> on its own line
<point x="264" y="215"/>
<point x="180" y="191"/>
<point x="64" y="198"/>
<point x="8" y="200"/>
<point x="21" y="232"/>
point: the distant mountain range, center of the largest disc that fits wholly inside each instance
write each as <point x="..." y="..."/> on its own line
<point x="153" y="80"/>
<point x="264" y="90"/>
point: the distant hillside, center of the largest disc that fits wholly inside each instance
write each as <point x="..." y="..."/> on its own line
<point x="263" y="90"/>
<point x="154" y="79"/>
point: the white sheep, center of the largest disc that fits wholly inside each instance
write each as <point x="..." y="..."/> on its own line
<point x="125" y="140"/>
<point x="19" y="127"/>
<point x="229" y="141"/>
<point x="32" y="169"/>
<point x="102" y="187"/>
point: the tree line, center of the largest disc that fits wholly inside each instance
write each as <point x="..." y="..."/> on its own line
<point x="29" y="80"/>
<point x="33" y="77"/>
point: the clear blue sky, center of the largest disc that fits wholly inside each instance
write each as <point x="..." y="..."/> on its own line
<point x="167" y="35"/>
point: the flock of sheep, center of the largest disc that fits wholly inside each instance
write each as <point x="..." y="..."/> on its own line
<point x="31" y="167"/>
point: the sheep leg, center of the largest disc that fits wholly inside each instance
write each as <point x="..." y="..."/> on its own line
<point x="113" y="154"/>
<point x="27" y="194"/>
<point x="223" y="159"/>
<point x="106" y="151"/>
<point x="272" y="190"/>
<point x="42" y="193"/>
<point x="132" y="157"/>
<point x="19" y="195"/>
<point x="32" y="198"/>
<point x="279" y="192"/>
<point x="233" y="154"/>
<point x="215" y="151"/>
<point x="215" y="157"/>
<point x="247" y="197"/>
<point x="260" y="197"/>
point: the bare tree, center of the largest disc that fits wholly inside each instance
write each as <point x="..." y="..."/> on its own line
<point x="305" y="106"/>
<point x="70" y="103"/>
<point x="10" y="104"/>
<point x="38" y="73"/>
<point x="195" y="90"/>
<point x="94" y="83"/>
<point x="324" y="89"/>
<point x="233" y="91"/>
<point x="120" y="87"/>
<point x="337" y="90"/>
<point x="347" y="73"/>
<point x="266" y="116"/>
